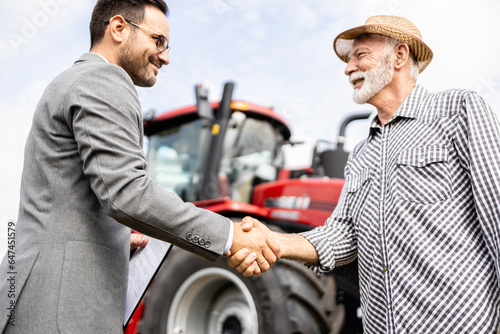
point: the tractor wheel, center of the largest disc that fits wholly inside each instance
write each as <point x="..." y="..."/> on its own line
<point x="193" y="296"/>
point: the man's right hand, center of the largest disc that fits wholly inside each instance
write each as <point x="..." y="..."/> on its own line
<point x="256" y="241"/>
<point x="291" y="246"/>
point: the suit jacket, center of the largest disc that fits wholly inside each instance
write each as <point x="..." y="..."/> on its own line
<point x="84" y="185"/>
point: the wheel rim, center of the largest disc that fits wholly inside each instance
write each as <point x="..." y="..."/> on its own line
<point x="213" y="301"/>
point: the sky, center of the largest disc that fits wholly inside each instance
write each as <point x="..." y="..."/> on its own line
<point x="278" y="52"/>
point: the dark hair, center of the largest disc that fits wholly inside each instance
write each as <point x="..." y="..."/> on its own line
<point x="132" y="10"/>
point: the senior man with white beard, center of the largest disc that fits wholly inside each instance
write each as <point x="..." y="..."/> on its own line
<point x="420" y="207"/>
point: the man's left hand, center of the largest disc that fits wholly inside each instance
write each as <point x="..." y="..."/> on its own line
<point x="138" y="240"/>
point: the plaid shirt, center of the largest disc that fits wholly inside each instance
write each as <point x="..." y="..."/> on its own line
<point x="421" y="209"/>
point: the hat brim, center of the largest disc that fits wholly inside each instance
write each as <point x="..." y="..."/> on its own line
<point x="422" y="53"/>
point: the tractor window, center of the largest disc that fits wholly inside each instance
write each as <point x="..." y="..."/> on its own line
<point x="250" y="156"/>
<point x="174" y="157"/>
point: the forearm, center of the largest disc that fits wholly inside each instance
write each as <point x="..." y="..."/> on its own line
<point x="296" y="247"/>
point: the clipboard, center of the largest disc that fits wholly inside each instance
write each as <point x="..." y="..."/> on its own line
<point x="144" y="264"/>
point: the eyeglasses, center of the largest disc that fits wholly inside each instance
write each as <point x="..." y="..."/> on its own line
<point x="161" y="40"/>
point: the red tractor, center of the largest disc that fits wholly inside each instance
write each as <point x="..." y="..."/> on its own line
<point x="227" y="157"/>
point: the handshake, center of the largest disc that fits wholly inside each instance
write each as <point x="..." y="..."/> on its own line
<point x="254" y="250"/>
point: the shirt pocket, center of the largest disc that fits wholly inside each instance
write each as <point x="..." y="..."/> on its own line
<point x="356" y="180"/>
<point x="358" y="187"/>
<point x="423" y="174"/>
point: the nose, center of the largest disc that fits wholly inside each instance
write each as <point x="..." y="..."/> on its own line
<point x="350" y="67"/>
<point x="164" y="57"/>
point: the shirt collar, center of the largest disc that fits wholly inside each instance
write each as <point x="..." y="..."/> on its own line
<point x="408" y="109"/>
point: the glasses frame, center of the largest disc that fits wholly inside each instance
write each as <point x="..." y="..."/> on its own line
<point x="158" y="38"/>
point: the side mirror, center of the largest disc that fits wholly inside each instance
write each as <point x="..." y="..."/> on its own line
<point x="204" y="108"/>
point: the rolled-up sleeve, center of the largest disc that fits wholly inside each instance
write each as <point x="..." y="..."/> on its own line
<point x="336" y="240"/>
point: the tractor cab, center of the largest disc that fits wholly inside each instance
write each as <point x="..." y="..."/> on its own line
<point x="215" y="150"/>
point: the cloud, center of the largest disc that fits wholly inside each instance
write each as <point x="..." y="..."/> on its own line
<point x="28" y="24"/>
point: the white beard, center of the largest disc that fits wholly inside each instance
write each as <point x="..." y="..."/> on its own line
<point x="374" y="80"/>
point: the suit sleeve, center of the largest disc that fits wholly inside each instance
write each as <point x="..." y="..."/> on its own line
<point x="105" y="118"/>
<point x="478" y="145"/>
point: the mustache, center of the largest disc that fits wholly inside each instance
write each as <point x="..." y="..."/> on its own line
<point x="356" y="76"/>
<point x="155" y="61"/>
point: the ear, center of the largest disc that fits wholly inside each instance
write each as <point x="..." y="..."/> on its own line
<point x="118" y="28"/>
<point x="402" y="52"/>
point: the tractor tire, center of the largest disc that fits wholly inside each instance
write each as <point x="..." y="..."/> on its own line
<point x="193" y="296"/>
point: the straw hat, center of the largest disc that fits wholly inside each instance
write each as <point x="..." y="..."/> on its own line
<point x="396" y="27"/>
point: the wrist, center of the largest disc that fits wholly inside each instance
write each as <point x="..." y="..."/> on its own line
<point x="296" y="247"/>
<point x="282" y="239"/>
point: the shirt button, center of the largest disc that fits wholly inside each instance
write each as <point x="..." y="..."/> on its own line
<point x="421" y="161"/>
<point x="385" y="268"/>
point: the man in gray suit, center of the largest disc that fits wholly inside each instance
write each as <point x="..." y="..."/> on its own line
<point x="84" y="186"/>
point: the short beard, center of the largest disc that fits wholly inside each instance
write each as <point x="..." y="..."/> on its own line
<point x="133" y="63"/>
<point x="374" y="80"/>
